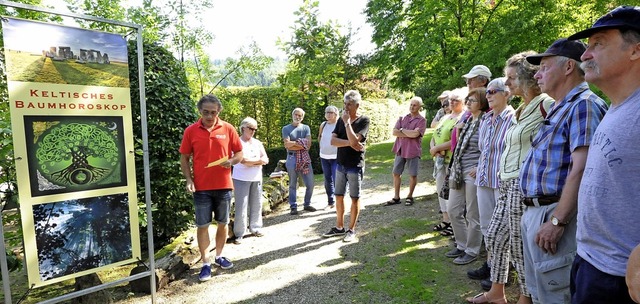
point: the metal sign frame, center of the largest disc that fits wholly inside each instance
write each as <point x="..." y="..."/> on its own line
<point x="145" y="156"/>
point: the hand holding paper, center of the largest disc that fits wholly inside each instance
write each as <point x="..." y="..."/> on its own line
<point x="217" y="162"/>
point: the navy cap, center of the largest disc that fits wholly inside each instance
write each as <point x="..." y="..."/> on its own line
<point x="622" y="17"/>
<point x="561" y="47"/>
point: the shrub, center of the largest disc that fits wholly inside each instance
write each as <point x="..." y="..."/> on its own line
<point x="169" y="111"/>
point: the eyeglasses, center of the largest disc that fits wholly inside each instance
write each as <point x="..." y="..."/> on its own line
<point x="330" y="113"/>
<point x="470" y="100"/>
<point x="491" y="92"/>
<point x="207" y="113"/>
<point x="252" y="129"/>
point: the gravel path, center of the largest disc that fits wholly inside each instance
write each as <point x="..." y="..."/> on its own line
<point x="293" y="263"/>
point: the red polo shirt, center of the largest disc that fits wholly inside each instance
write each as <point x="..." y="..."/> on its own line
<point x="206" y="147"/>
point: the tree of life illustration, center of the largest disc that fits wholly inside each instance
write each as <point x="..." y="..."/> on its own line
<point x="77" y="144"/>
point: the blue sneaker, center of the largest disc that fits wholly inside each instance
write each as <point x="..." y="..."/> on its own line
<point x="223" y="262"/>
<point x="205" y="273"/>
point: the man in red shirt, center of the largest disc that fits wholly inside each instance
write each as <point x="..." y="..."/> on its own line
<point x="213" y="146"/>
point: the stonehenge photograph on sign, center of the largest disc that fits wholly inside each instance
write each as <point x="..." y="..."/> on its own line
<point x="64" y="55"/>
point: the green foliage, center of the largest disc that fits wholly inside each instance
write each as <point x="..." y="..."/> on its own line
<point x="169" y="111"/>
<point x="428" y="45"/>
<point x="383" y="114"/>
<point x="151" y="18"/>
<point x="320" y="67"/>
<point x="29" y="14"/>
<point x="108" y="9"/>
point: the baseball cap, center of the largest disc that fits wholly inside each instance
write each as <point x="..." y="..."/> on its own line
<point x="621" y="17"/>
<point x="561" y="47"/>
<point x="444" y="94"/>
<point x="478" y="70"/>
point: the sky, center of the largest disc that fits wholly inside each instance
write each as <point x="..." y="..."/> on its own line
<point x="235" y="23"/>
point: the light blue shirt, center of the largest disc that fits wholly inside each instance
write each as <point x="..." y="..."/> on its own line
<point x="608" y="205"/>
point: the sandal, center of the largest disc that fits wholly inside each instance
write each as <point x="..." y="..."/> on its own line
<point x="408" y="201"/>
<point x="393" y="201"/>
<point x="482" y="298"/>
<point x="447" y="232"/>
<point x="442" y="226"/>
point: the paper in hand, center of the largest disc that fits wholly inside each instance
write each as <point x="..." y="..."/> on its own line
<point x="217" y="162"/>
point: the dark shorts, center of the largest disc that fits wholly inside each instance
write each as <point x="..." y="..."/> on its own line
<point x="590" y="285"/>
<point x="212" y="201"/>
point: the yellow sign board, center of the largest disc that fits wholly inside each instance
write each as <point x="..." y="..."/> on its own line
<point x="73" y="140"/>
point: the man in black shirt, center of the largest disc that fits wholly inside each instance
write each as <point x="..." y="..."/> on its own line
<point x="349" y="136"/>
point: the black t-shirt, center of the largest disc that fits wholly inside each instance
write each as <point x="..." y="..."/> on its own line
<point x="347" y="156"/>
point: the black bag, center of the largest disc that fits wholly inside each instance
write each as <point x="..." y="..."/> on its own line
<point x="444" y="191"/>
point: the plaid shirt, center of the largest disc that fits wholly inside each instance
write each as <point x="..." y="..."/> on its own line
<point x="303" y="160"/>
<point x="570" y="124"/>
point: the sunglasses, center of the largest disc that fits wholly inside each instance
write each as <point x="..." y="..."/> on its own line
<point x="491" y="92"/>
<point x="252" y="129"/>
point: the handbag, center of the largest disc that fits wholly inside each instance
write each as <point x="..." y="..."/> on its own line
<point x="444" y="191"/>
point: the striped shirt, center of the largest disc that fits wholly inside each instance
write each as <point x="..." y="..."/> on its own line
<point x="569" y="125"/>
<point x="517" y="141"/>
<point x="491" y="144"/>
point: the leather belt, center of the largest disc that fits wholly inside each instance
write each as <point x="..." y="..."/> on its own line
<point x="541" y="201"/>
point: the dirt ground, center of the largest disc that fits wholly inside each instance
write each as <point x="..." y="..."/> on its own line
<point x="293" y="263"/>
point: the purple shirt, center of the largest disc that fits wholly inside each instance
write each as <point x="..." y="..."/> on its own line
<point x="407" y="147"/>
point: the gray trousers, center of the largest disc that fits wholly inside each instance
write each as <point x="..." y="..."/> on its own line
<point x="466" y="230"/>
<point x="547" y="275"/>
<point x="248" y="196"/>
<point x="487" y="198"/>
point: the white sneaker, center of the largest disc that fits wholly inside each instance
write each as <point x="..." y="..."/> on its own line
<point x="351" y="235"/>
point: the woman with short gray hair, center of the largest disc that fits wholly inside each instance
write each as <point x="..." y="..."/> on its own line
<point x="247" y="182"/>
<point x="328" y="153"/>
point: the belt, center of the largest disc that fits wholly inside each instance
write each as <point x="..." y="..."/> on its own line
<point x="291" y="153"/>
<point x="541" y="201"/>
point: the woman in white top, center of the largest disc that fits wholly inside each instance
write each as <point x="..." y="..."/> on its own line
<point x="247" y="181"/>
<point x="328" y="153"/>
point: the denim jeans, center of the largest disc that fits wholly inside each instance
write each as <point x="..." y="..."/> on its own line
<point x="329" y="170"/>
<point x="293" y="182"/>
<point x="212" y="201"/>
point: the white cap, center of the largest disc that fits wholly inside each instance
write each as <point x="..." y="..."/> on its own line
<point x="478" y="70"/>
<point x="444" y="94"/>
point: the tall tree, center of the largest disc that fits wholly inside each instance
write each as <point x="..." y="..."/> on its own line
<point x="318" y="55"/>
<point x="425" y="46"/>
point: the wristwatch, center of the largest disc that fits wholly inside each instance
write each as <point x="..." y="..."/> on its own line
<point x="556" y="222"/>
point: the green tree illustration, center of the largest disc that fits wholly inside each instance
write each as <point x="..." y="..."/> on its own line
<point x="77" y="143"/>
